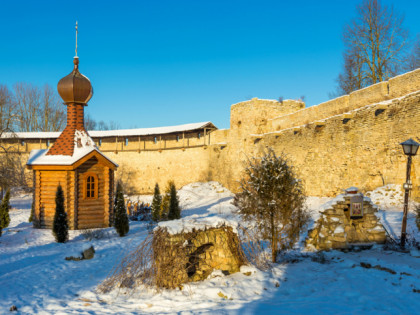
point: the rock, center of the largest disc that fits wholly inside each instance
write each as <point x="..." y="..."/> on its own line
<point x="13" y="308"/>
<point x="88" y="253"/>
<point x="73" y="258"/>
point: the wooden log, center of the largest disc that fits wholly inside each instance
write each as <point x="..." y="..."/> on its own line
<point x="91" y="215"/>
<point x="97" y="221"/>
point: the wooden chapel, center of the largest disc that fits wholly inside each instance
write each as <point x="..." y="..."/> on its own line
<point x="74" y="162"/>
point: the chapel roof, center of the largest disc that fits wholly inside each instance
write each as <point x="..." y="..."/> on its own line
<point x="75" y="87"/>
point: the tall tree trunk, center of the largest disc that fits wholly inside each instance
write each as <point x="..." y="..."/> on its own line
<point x="273" y="240"/>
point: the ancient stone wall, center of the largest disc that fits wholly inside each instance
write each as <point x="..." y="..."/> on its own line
<point x="352" y="147"/>
<point x="140" y="171"/>
<point x="350" y="141"/>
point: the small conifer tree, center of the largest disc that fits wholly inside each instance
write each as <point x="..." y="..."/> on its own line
<point x="60" y="225"/>
<point x="174" y="209"/>
<point x="31" y="216"/>
<point x="164" y="208"/>
<point x="120" y="212"/>
<point x="156" y="204"/>
<point x="4" y="211"/>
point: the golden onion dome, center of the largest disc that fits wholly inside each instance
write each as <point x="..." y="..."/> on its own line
<point x="75" y="87"/>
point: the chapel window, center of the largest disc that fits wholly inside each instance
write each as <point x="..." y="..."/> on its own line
<point x="91" y="186"/>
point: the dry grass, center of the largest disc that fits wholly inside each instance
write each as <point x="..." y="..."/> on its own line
<point x="135" y="269"/>
<point x="164" y="261"/>
<point x="253" y="248"/>
<point x="95" y="234"/>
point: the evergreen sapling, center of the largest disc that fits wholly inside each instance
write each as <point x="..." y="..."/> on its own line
<point x="164" y="208"/>
<point x="120" y="213"/>
<point x="4" y="211"/>
<point x="31" y="216"/>
<point x="174" y="209"/>
<point x="60" y="225"/>
<point x="156" y="204"/>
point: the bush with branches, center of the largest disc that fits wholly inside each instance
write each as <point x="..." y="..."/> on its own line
<point x="272" y="197"/>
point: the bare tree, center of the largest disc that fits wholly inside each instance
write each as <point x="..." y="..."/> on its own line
<point x="413" y="60"/>
<point x="351" y="77"/>
<point x="52" y="111"/>
<point x="38" y="109"/>
<point x="8" y="115"/>
<point x="90" y="123"/>
<point x="376" y="47"/>
<point x="11" y="167"/>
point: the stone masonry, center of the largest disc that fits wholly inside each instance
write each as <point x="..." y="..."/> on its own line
<point x="336" y="229"/>
<point x="194" y="255"/>
<point x="351" y="140"/>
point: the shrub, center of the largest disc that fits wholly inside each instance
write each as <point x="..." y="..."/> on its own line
<point x="94" y="234"/>
<point x="164" y="209"/>
<point x="156" y="204"/>
<point x="4" y="211"/>
<point x="120" y="212"/>
<point x="174" y="209"/>
<point x="31" y="216"/>
<point x="272" y="197"/>
<point x="60" y="225"/>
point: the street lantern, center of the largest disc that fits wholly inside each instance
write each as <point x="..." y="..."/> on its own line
<point x="410" y="148"/>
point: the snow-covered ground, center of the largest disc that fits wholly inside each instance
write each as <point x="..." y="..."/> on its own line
<point x="35" y="277"/>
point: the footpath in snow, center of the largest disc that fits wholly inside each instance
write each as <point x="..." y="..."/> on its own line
<point x="36" y="278"/>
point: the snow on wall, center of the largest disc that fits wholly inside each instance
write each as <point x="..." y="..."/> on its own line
<point x="119" y="132"/>
<point x="198" y="223"/>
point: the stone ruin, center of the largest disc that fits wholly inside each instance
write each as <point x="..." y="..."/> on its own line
<point x="347" y="220"/>
<point x="194" y="254"/>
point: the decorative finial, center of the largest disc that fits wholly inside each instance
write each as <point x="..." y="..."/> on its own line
<point x="76" y="38"/>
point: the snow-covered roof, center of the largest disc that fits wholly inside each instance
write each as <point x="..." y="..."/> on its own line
<point x="83" y="145"/>
<point x="119" y="132"/>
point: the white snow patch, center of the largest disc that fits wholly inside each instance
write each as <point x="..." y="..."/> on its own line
<point x="195" y="222"/>
<point x="339" y="229"/>
<point x="40" y="281"/>
<point x="332" y="202"/>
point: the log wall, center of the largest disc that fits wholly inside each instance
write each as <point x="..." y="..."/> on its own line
<point x="92" y="213"/>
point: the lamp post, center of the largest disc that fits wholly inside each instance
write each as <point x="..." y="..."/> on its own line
<point x="410" y="148"/>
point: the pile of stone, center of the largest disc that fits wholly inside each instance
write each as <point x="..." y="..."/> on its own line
<point x="346" y="221"/>
<point x="193" y="255"/>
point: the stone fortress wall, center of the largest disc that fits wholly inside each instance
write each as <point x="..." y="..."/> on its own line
<point x="352" y="140"/>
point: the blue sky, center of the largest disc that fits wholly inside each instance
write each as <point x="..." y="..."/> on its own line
<point x="157" y="63"/>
